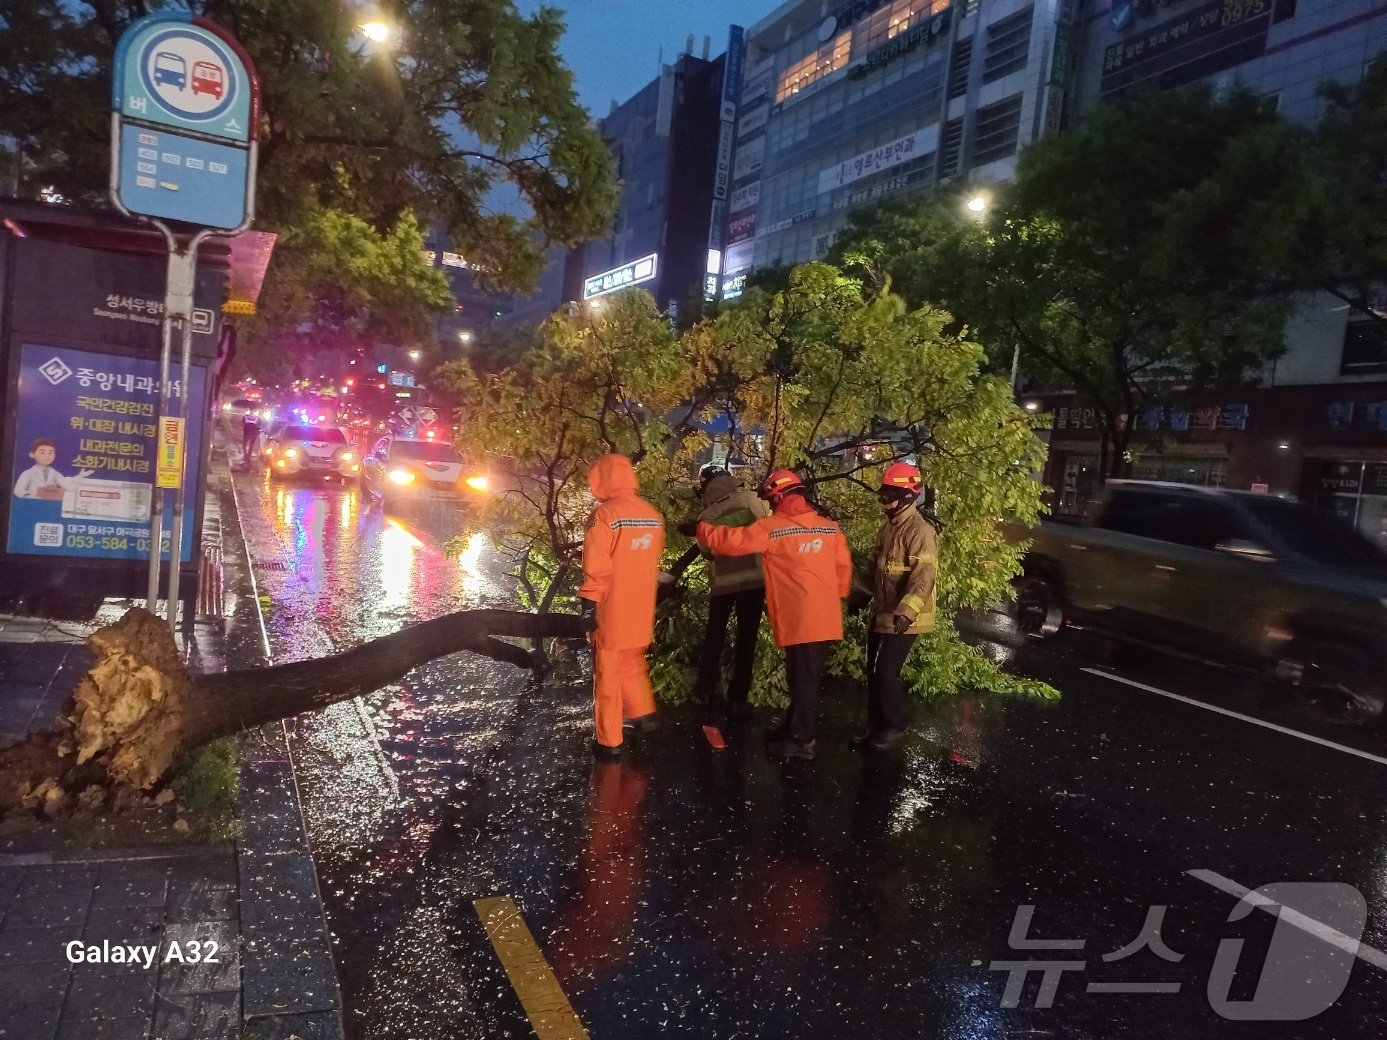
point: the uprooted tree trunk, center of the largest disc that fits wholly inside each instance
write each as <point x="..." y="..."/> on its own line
<point x="138" y="707"/>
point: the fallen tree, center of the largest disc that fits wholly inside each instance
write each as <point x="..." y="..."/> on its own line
<point x="138" y="707"/>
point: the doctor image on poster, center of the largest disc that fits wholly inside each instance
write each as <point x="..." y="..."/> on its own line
<point x="41" y="480"/>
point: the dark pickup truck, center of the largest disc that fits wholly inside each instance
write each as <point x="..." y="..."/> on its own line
<point x="1223" y="575"/>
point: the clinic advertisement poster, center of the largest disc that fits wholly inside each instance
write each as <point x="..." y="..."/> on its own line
<point x="85" y="453"/>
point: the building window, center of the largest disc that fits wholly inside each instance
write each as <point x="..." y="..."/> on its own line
<point x="831" y="57"/>
<point x="891" y="21"/>
<point x="960" y="64"/>
<point x="1365" y="349"/>
<point x="1283" y="10"/>
<point x="951" y="148"/>
<point x="1008" y="45"/>
<point x="997" y="131"/>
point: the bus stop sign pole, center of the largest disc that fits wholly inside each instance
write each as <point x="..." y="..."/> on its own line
<point x="185" y="114"/>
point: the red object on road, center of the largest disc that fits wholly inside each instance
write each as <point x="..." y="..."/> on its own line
<point x="714" y="736"/>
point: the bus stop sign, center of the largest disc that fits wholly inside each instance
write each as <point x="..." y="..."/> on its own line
<point x="186" y="104"/>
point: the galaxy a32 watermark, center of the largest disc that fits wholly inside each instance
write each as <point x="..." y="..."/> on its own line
<point x="144" y="956"/>
<point x="1319" y="928"/>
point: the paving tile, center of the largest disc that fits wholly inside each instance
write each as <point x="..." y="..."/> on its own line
<point x="267" y="826"/>
<point x="190" y="902"/>
<point x="197" y="1016"/>
<point x="201" y="976"/>
<point x="10" y="880"/>
<point x="288" y="975"/>
<point x="103" y="1029"/>
<point x="122" y="926"/>
<point x="32" y="1022"/>
<point x="115" y="889"/>
<point x="43" y="945"/>
<point x="109" y="996"/>
<point x="67" y="908"/>
<point x="323" y="1025"/>
<point x="30" y="986"/>
<point x="38" y="665"/>
<point x="276" y="890"/>
<point x="217" y="869"/>
<point x="53" y="878"/>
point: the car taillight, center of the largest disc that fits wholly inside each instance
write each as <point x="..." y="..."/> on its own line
<point x="477" y="482"/>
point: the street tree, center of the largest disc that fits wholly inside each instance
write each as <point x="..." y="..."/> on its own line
<point x="1128" y="261"/>
<point x="820" y="376"/>
<point x="466" y="102"/>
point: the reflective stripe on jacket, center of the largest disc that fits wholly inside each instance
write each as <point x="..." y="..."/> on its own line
<point x="807" y="565"/>
<point x="621" y="557"/>
<point x="727" y="504"/>
<point x="903" y="572"/>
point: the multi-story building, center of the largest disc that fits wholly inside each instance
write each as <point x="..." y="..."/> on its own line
<point x="666" y="142"/>
<point x="844" y="104"/>
<point x="1316" y="427"/>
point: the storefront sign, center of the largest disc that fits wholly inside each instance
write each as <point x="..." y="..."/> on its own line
<point x="898" y="182"/>
<point x="888" y="155"/>
<point x="926" y="33"/>
<point x="751" y="156"/>
<point x="1210" y="417"/>
<point x="1210" y="38"/>
<point x="169" y="453"/>
<point x="634" y="273"/>
<point x="753" y="120"/>
<point x="757" y="87"/>
<point x="722" y="175"/>
<point x="746" y="198"/>
<point x="741" y="227"/>
<point x="732" y="72"/>
<point x="787" y="223"/>
<point x="85" y="453"/>
<point x="1343" y="415"/>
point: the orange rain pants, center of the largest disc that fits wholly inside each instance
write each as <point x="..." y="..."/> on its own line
<point x="621" y="689"/>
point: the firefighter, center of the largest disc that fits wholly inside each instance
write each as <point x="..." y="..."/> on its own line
<point x="903" y="573"/>
<point x="621" y="567"/>
<point x="737" y="587"/>
<point x="808" y="572"/>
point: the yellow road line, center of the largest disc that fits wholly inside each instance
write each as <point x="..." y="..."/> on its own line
<point x="548" y="1009"/>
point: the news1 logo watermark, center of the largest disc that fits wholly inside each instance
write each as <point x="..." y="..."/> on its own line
<point x="1318" y="936"/>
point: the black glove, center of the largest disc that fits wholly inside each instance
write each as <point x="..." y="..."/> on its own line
<point x="589" y="615"/>
<point x="688" y="528"/>
<point x="901" y="624"/>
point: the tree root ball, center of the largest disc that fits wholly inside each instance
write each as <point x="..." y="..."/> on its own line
<point x="128" y="710"/>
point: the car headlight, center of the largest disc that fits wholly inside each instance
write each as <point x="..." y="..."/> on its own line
<point x="477" y="483"/>
<point x="347" y="456"/>
<point x="401" y="476"/>
<point x="291" y="453"/>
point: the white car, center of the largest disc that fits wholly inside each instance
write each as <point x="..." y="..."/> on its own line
<point x="310" y="450"/>
<point x="402" y="469"/>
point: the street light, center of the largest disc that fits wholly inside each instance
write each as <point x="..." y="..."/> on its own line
<point x="466" y="337"/>
<point x="977" y="204"/>
<point x="376" y="31"/>
<point x="414" y="355"/>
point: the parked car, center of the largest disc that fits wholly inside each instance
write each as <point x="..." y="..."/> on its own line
<point x="310" y="450"/>
<point x="1242" y="577"/>
<point x="407" y="469"/>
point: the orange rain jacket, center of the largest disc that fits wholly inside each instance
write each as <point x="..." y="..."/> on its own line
<point x="807" y="564"/>
<point x="621" y="557"/>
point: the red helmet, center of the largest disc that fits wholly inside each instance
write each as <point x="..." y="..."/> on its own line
<point x="902" y="476"/>
<point x="779" y="484"/>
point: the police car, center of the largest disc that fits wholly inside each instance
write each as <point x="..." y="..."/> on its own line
<point x="420" y="469"/>
<point x="297" y="449"/>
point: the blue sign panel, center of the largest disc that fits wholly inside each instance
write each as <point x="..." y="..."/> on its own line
<point x="184" y="72"/>
<point x="84" y="453"/>
<point x="169" y="175"/>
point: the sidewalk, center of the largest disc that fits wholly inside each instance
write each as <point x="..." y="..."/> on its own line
<point x="258" y="901"/>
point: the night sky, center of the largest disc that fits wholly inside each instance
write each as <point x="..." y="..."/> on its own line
<point x="613" y="46"/>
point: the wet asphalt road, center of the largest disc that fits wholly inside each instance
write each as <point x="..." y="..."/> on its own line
<point x="695" y="893"/>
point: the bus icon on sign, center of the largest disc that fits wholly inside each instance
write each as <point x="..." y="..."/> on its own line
<point x="208" y="79"/>
<point x="171" y="68"/>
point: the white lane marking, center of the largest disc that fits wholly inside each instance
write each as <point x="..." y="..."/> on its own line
<point x="1238" y="715"/>
<point x="1333" y="936"/>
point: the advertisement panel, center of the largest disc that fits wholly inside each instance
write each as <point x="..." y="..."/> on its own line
<point x="85" y="453"/>
<point x="741" y="228"/>
<point x="746" y="198"/>
<point x="883" y="158"/>
<point x="1210" y="38"/>
<point x="722" y="176"/>
<point x="751" y="156"/>
<point x="637" y="271"/>
<point x="732" y="71"/>
<point x="753" y="120"/>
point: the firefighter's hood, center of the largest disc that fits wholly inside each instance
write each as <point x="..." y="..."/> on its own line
<point x="612" y="475"/>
